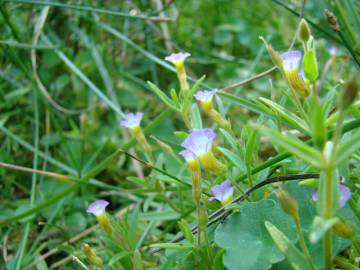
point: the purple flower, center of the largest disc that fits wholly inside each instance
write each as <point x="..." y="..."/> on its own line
<point x="188" y="155"/>
<point x="332" y="50"/>
<point x="199" y="141"/>
<point x="223" y="192"/>
<point x="345" y="194"/>
<point x="131" y="120"/>
<point x="177" y="57"/>
<point x="291" y="60"/>
<point x="97" y="207"/>
<point x="206" y="95"/>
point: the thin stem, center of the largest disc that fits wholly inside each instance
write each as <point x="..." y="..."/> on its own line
<point x="328" y="215"/>
<point x="302" y="239"/>
<point x="199" y="231"/>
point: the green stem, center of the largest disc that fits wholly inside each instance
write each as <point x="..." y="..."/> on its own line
<point x="302" y="239"/>
<point x="328" y="215"/>
<point x="199" y="230"/>
<point x="329" y="187"/>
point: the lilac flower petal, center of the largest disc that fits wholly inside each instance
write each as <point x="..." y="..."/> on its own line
<point x="206" y="95"/>
<point x="188" y="155"/>
<point x="131" y="120"/>
<point x="97" y="207"/>
<point x="332" y="50"/>
<point x="177" y="57"/>
<point x="314" y="196"/>
<point x="223" y="191"/>
<point x="291" y="59"/>
<point x="199" y="141"/>
<point x="345" y="194"/>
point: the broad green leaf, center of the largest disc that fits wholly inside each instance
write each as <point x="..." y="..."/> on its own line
<point x="348" y="147"/>
<point x="245" y="239"/>
<point x="297" y="147"/>
<point x="218" y="260"/>
<point x="162" y="96"/>
<point x="296" y="258"/>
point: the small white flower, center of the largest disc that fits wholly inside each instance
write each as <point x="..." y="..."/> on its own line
<point x="206" y="95"/>
<point x="199" y="141"/>
<point x="291" y="60"/>
<point x="223" y="192"/>
<point x="176" y="58"/>
<point x="97" y="207"/>
<point x="132" y="120"/>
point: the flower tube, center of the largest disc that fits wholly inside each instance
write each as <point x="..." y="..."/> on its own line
<point x="194" y="167"/>
<point x="290" y="65"/>
<point x="206" y="101"/>
<point x="178" y="60"/>
<point x="97" y="208"/>
<point x="132" y="122"/>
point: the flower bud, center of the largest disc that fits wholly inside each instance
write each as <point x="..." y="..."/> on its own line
<point x="332" y="20"/>
<point x="343" y="230"/>
<point x="304" y="31"/>
<point x="275" y="56"/>
<point x="91" y="256"/>
<point x="310" y="65"/>
<point x="204" y="218"/>
<point x="287" y="202"/>
<point x="350" y="92"/>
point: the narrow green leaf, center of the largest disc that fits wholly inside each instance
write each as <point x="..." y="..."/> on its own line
<point x="286" y="115"/>
<point x="191" y="93"/>
<point x="233" y="158"/>
<point x="172" y="246"/>
<point x="348" y="147"/>
<point x="162" y="96"/>
<point x="295" y="257"/>
<point x="195" y="116"/>
<point x="230" y="139"/>
<point x="297" y="147"/>
<point x="84" y="78"/>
